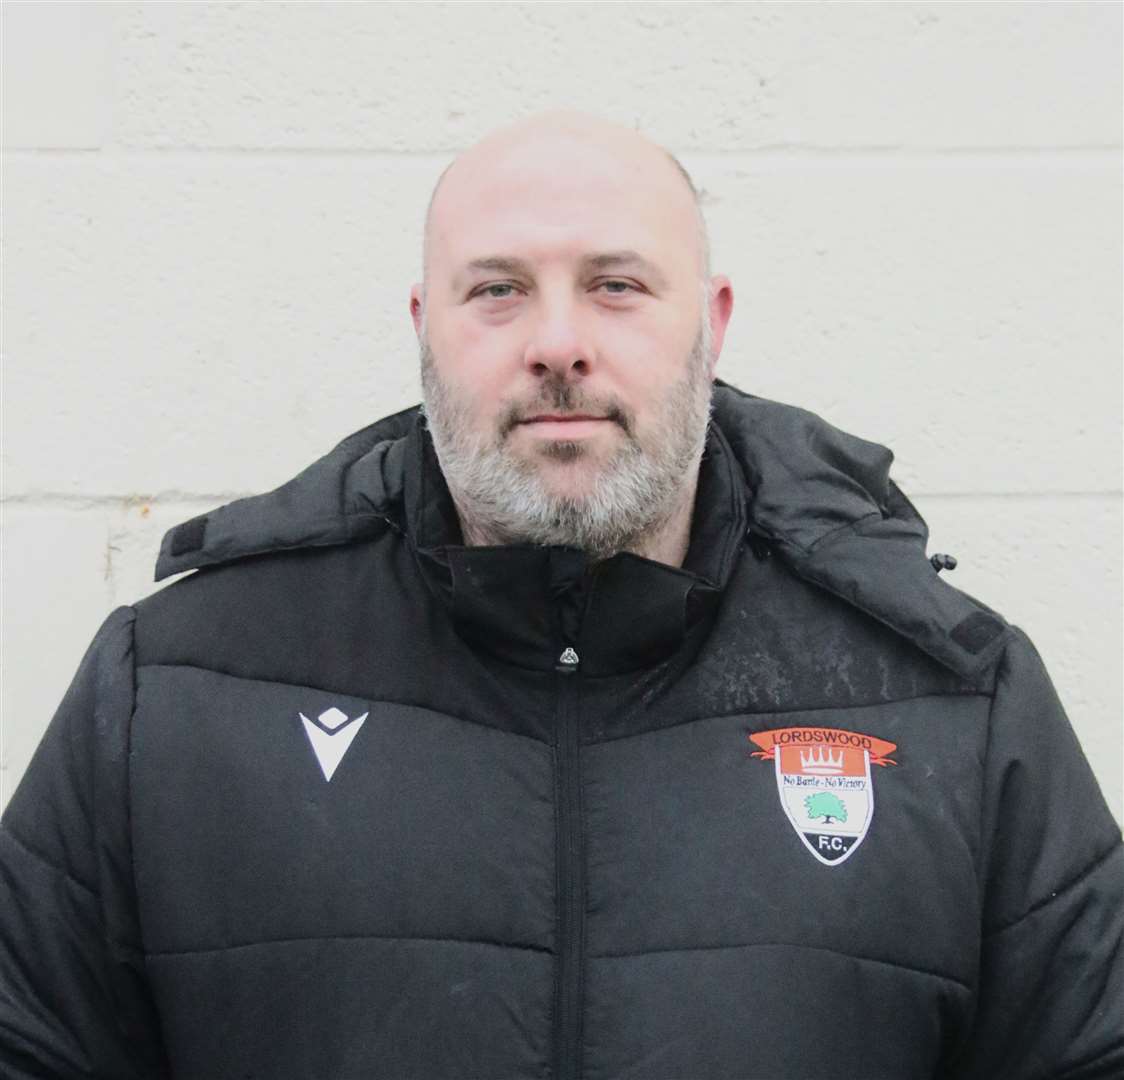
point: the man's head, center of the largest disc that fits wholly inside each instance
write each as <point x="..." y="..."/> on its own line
<point x="566" y="276"/>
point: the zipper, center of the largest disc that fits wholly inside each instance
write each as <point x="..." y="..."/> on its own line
<point x="570" y="877"/>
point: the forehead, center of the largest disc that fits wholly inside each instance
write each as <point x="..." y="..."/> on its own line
<point x="563" y="202"/>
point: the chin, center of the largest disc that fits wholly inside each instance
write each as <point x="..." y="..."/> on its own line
<point x="568" y="480"/>
<point x="565" y="453"/>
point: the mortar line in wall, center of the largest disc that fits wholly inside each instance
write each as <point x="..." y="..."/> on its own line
<point x="781" y="154"/>
<point x="66" y="500"/>
<point x="1105" y="494"/>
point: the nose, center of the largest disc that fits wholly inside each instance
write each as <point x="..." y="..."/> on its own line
<point x="558" y="346"/>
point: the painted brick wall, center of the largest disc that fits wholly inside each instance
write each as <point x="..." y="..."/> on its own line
<point x="212" y="217"/>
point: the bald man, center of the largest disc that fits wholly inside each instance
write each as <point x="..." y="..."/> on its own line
<point x="594" y="720"/>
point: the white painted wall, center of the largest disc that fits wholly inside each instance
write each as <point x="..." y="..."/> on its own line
<point x="212" y="216"/>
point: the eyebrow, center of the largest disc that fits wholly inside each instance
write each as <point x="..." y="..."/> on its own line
<point x="603" y="260"/>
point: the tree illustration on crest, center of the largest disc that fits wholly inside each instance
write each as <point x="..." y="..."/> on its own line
<point x="827" y="805"/>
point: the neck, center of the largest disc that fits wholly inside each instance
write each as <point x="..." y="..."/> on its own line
<point x="668" y="540"/>
<point x="665" y="541"/>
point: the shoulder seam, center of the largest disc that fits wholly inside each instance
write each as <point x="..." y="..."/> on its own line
<point x="756" y="715"/>
<point x="993" y="696"/>
<point x="129" y="778"/>
<point x="151" y="665"/>
<point x="93" y="894"/>
<point x="1064" y="888"/>
<point x="49" y="863"/>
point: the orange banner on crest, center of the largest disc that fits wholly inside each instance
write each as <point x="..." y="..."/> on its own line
<point x="805" y="737"/>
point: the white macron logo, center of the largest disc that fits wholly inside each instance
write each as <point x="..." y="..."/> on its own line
<point x="331" y="733"/>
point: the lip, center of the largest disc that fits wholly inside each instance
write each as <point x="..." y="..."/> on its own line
<point x="561" y="418"/>
<point x="574" y="426"/>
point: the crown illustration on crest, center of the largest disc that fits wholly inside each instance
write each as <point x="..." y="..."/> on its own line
<point x="819" y="764"/>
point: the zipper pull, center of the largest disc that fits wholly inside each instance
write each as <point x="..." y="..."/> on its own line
<point x="567" y="662"/>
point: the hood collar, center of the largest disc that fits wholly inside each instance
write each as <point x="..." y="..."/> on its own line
<point x="822" y="499"/>
<point x="528" y="603"/>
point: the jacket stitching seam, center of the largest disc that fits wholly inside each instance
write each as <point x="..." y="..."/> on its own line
<point x="160" y="953"/>
<point x="851" y="526"/>
<point x="960" y="1044"/>
<point x="341" y="490"/>
<point x="346" y="693"/>
<point x="791" y="945"/>
<point x="782" y="712"/>
<point x="1081" y="1066"/>
<point x="1064" y="888"/>
<point x="544" y="742"/>
<point x="979" y="860"/>
<point x="129" y="771"/>
<point x="36" y="854"/>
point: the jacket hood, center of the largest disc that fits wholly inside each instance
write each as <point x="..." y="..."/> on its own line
<point x="820" y="498"/>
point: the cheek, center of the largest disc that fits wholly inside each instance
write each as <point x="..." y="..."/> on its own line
<point x="471" y="354"/>
<point x="648" y="379"/>
<point x="650" y="352"/>
<point x="475" y="384"/>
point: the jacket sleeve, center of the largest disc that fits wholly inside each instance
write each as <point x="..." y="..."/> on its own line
<point x="1050" y="992"/>
<point x="73" y="996"/>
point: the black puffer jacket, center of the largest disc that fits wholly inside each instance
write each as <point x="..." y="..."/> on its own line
<point x="357" y="801"/>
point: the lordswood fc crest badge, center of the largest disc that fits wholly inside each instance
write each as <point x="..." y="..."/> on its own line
<point x="823" y="777"/>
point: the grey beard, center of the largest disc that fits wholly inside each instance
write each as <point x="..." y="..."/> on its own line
<point x="502" y="500"/>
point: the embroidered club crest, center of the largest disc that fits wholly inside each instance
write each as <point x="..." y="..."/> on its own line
<point x="823" y="777"/>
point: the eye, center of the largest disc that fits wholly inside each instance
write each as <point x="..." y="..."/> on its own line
<point x="487" y="290"/>
<point x="614" y="292"/>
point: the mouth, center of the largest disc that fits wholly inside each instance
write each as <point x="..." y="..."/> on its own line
<point x="565" y="425"/>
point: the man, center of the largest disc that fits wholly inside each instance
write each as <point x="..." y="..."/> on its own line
<point x="603" y="721"/>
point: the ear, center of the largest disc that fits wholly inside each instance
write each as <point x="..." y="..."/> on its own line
<point x="417" y="305"/>
<point x="720" y="308"/>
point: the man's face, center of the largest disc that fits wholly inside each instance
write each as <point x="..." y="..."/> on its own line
<point x="565" y="343"/>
